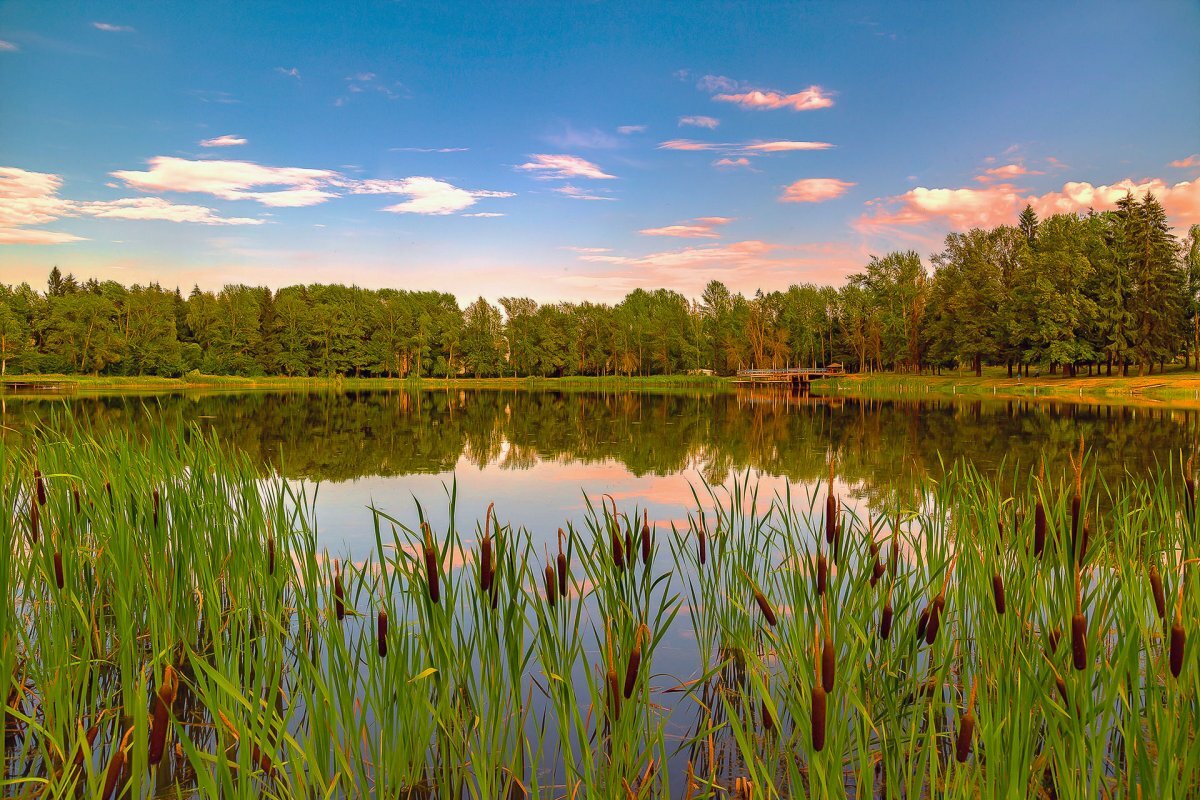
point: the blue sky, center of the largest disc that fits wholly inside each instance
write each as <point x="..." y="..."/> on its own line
<point x="569" y="150"/>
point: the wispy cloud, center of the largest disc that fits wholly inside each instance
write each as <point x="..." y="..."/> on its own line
<point x="425" y="195"/>
<point x="700" y="122"/>
<point x="738" y="154"/>
<point x="815" y="190"/>
<point x="228" y="140"/>
<point x="575" y="193"/>
<point x="8" y="47"/>
<point x="157" y="208"/>
<point x="484" y="214"/>
<point x="1006" y="172"/>
<point x="362" y="82"/>
<point x="213" y="96"/>
<point x="428" y="149"/>
<point x="732" y="162"/>
<point x="563" y="166"/>
<point x="1186" y="163"/>
<point x="784" y="146"/>
<point x="746" y="95"/>
<point x="572" y="138"/>
<point x="110" y="28"/>
<point x="699" y="228"/>
<point x="588" y="249"/>
<point x="291" y="72"/>
<point x="625" y="130"/>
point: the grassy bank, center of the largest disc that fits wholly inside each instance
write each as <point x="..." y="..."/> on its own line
<point x="170" y="622"/>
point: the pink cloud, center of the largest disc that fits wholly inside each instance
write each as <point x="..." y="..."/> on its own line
<point x="689" y="145"/>
<point x="732" y="162"/>
<point x="1001" y="203"/>
<point x="785" y="146"/>
<point x="563" y="166"/>
<point x="228" y="140"/>
<point x="700" y="122"/>
<point x="1006" y="173"/>
<point x="233" y="180"/>
<point x="699" y="228"/>
<point x="814" y="97"/>
<point x="815" y="190"/>
<point x="1185" y="163"/>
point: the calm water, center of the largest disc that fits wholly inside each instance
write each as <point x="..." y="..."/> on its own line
<point x="535" y="454"/>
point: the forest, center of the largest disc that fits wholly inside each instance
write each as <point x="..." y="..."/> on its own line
<point x="1096" y="292"/>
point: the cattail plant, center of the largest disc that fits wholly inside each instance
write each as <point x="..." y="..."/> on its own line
<point x="645" y="538"/>
<point x="270" y="554"/>
<point x="551" y="584"/>
<point x="831" y="507"/>
<point x="75" y="495"/>
<point x="922" y="624"/>
<point x="339" y="593"/>
<point x="817" y="714"/>
<point x="164" y="699"/>
<point x="702" y="539"/>
<point x="1052" y="640"/>
<point x="155" y="503"/>
<point x="381" y="632"/>
<point x="486" y="567"/>
<point x="562" y="566"/>
<point x="764" y="605"/>
<point x="35" y="521"/>
<point x="432" y="576"/>
<point x="966" y="729"/>
<point x="116" y="765"/>
<point x="1189" y="484"/>
<point x="768" y="720"/>
<point x="58" y="570"/>
<point x="1076" y="497"/>
<point x="885" y="618"/>
<point x="998" y="592"/>
<point x="610" y="680"/>
<point x="1156" y="589"/>
<point x="1078" y="629"/>
<point x="1178" y="634"/>
<point x="822" y="573"/>
<point x="635" y="662"/>
<point x="618" y="546"/>
<point x="40" y="483"/>
<point x="828" y="656"/>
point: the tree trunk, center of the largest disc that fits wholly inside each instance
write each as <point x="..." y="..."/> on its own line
<point x="978" y="366"/>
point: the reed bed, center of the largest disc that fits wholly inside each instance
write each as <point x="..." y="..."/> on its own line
<point x="172" y="626"/>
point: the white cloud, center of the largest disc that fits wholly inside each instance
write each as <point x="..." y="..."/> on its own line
<point x="426" y="195"/>
<point x="156" y="208"/>
<point x="428" y="149"/>
<point x="233" y="180"/>
<point x="700" y="122"/>
<point x="8" y="47"/>
<point x="228" y="140"/>
<point x="563" y="166"/>
<point x="484" y="214"/>
<point x="625" y="130"/>
<point x="291" y="72"/>
<point x="110" y="28"/>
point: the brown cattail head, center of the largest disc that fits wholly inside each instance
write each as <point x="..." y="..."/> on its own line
<point x="1178" y="634"/>
<point x="922" y="624"/>
<point x="156" y="501"/>
<point x="828" y="656"/>
<point x="1189" y="484"/>
<point x="1156" y="588"/>
<point x="877" y="571"/>
<point x="764" y="605"/>
<point x="381" y="632"/>
<point x="40" y="483"/>
<point x="935" y="621"/>
<point x="817" y="718"/>
<point x="645" y="538"/>
<point x="966" y="729"/>
<point x="108" y="491"/>
<point x="1052" y="640"/>
<point x="610" y="678"/>
<point x="822" y="574"/>
<point x="161" y="714"/>
<point x="339" y="593"/>
<point x="702" y="540"/>
<point x="432" y="575"/>
<point x="270" y="555"/>
<point x="562" y="566"/>
<point x="618" y="547"/>
<point x="116" y="766"/>
<point x="998" y="592"/>
<point x="635" y="663"/>
<point x="486" y="567"/>
<point x="551" y="584"/>
<point x="58" y="570"/>
<point x="885" y="621"/>
<point x="768" y="719"/>
<point x="1078" y="630"/>
<point x="75" y="495"/>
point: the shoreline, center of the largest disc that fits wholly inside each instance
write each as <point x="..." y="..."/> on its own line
<point x="1177" y="388"/>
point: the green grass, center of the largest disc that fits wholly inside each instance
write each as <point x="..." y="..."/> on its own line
<point x="500" y="692"/>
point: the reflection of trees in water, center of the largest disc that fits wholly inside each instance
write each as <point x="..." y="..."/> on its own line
<point x="882" y="445"/>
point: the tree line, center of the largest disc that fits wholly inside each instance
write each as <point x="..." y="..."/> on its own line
<point x="1073" y="291"/>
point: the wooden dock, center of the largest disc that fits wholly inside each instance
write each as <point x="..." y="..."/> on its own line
<point x="794" y="376"/>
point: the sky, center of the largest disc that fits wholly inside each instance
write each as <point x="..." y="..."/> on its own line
<point x="570" y="150"/>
